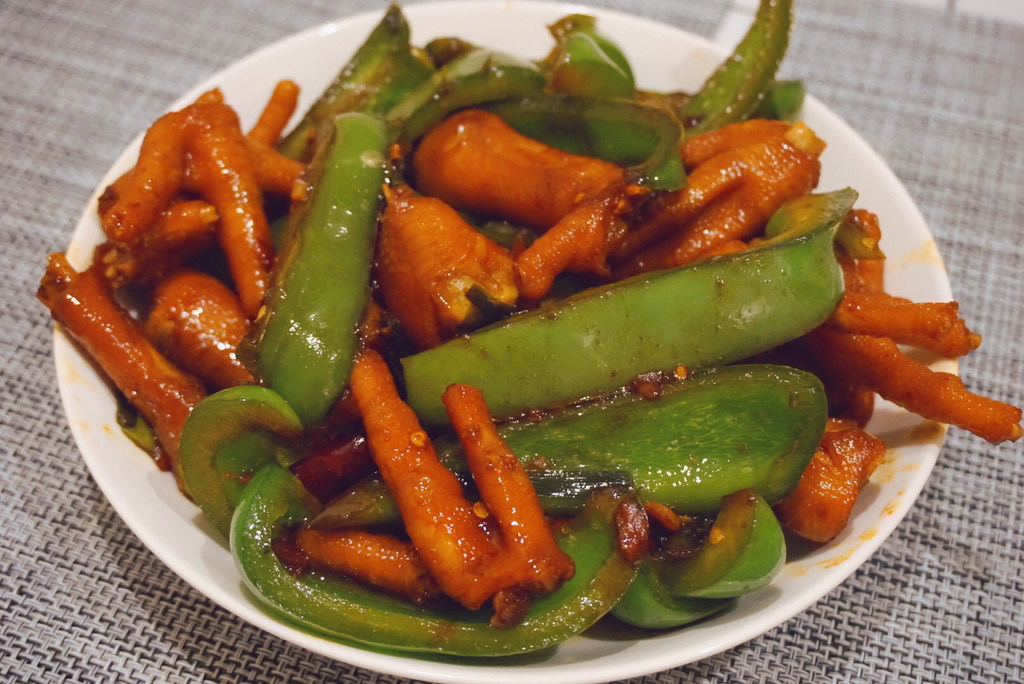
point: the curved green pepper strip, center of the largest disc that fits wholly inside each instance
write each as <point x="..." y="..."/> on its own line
<point x="381" y="73"/>
<point x="226" y="439"/>
<point x="303" y="344"/>
<point x="646" y="604"/>
<point x="711" y="313"/>
<point x="478" y="77"/>
<point x="585" y="63"/>
<point x="344" y="609"/>
<point x="758" y="563"/>
<point x="747" y="553"/>
<point x="644" y="140"/>
<point x="737" y="87"/>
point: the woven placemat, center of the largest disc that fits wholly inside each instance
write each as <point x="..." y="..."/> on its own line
<point x="939" y="95"/>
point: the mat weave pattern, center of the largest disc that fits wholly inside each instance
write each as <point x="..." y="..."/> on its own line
<point x="939" y="95"/>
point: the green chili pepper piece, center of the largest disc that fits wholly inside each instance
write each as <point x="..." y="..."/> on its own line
<point x="646" y="604"/>
<point x="852" y="239"/>
<point x="134" y="426"/>
<point x="711" y="313"/>
<point x="478" y="77"/>
<point x="226" y="439"/>
<point x="782" y="101"/>
<point x="446" y="49"/>
<point x="572" y="24"/>
<point x="748" y="555"/>
<point x="585" y="63"/>
<point x="644" y="140"/>
<point x="383" y="71"/>
<point x="561" y="493"/>
<point x="751" y="426"/>
<point x="758" y="562"/>
<point x="807" y="211"/>
<point x="738" y="86"/>
<point x="746" y="551"/>
<point x="304" y="343"/>
<point x="746" y="426"/>
<point x="368" y="503"/>
<point x="343" y="609"/>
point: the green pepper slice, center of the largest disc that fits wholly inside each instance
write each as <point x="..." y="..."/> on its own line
<point x="782" y="101"/>
<point x="745" y="553"/>
<point x="381" y="73"/>
<point x="856" y="242"/>
<point x="746" y="426"/>
<point x="738" y="86"/>
<point x="227" y="438"/>
<point x="644" y="140"/>
<point x="741" y="426"/>
<point x="344" y="609"/>
<point x="646" y="604"/>
<point x="133" y="425"/>
<point x="758" y="563"/>
<point x="446" y="49"/>
<point x="585" y="63"/>
<point x="706" y="314"/>
<point x="303" y="344"/>
<point x="748" y="552"/>
<point x="477" y="77"/>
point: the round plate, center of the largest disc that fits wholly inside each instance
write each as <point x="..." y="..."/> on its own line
<point x="666" y="58"/>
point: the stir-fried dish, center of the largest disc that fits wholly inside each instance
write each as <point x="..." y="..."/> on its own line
<point x="487" y="349"/>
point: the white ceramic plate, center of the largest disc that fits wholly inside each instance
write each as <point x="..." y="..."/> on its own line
<point x="664" y="57"/>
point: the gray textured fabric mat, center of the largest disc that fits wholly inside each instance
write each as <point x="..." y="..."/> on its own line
<point x="939" y="95"/>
